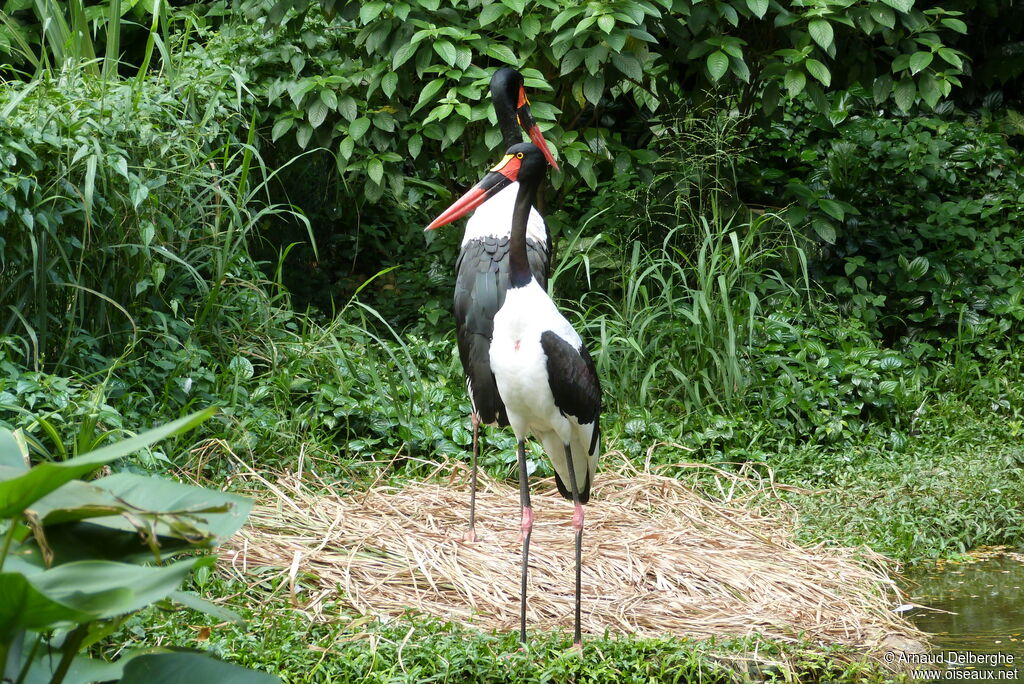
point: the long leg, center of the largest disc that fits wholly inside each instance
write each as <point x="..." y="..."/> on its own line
<point x="527" y="525"/>
<point x="470" y="535"/>
<point x="577" y="523"/>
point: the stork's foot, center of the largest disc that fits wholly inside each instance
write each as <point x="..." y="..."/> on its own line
<point x="469" y="536"/>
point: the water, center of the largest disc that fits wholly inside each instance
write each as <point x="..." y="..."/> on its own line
<point x="985" y="618"/>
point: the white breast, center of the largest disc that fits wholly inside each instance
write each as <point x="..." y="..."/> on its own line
<point x="494" y="218"/>
<point x="517" y="358"/>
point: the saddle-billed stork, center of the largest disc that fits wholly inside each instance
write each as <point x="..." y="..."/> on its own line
<point x="482" y="268"/>
<point x="542" y="370"/>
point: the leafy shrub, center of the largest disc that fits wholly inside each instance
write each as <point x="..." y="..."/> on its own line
<point x="117" y="199"/>
<point x="824" y="379"/>
<point x="922" y="216"/>
<point x="610" y="66"/>
<point x="75" y="557"/>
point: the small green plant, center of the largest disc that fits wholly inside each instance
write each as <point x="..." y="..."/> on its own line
<point x="78" y="557"/>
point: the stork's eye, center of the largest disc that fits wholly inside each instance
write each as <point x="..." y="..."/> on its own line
<point x="519" y="155"/>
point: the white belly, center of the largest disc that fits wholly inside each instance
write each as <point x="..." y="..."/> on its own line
<point x="519" y="364"/>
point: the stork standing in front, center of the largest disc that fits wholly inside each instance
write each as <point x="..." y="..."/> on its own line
<point x="542" y="370"/>
<point x="482" y="268"/>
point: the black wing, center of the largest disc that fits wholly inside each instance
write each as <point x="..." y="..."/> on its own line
<point x="572" y="378"/>
<point x="480" y="284"/>
<point x="577" y="392"/>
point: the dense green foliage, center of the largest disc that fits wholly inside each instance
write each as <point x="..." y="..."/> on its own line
<point x="75" y="558"/>
<point x="773" y="263"/>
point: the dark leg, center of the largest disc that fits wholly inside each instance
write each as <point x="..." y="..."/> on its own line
<point x="577" y="523"/>
<point x="527" y="525"/>
<point x="470" y="535"/>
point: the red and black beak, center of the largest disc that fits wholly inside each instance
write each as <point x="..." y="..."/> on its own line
<point x="529" y="125"/>
<point x="501" y="176"/>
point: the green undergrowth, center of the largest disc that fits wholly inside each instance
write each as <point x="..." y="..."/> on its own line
<point x="956" y="485"/>
<point x="280" y="639"/>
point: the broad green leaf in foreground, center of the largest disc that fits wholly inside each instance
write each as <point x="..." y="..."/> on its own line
<point x="84" y="591"/>
<point x="19" y="489"/>
<point x="179" y="510"/>
<point x="188" y="668"/>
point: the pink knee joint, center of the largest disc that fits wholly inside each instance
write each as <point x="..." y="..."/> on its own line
<point x="527" y="522"/>
<point x="577" y="518"/>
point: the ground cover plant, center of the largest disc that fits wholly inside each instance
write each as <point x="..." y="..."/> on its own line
<point x="75" y="553"/>
<point x="787" y="233"/>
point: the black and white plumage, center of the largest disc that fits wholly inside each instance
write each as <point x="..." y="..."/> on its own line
<point x="482" y="267"/>
<point x="543" y="372"/>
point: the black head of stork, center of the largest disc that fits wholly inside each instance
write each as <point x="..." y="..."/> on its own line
<point x="542" y="370"/>
<point x="512" y="107"/>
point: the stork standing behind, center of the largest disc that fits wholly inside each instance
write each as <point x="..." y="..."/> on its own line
<point x="542" y="370"/>
<point x="482" y="268"/>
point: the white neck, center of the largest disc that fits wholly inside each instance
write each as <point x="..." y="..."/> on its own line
<point x="493" y="218"/>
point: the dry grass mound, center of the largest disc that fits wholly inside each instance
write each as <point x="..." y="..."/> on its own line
<point x="659" y="558"/>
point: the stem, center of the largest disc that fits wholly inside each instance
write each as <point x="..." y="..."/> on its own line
<point x="70" y="648"/>
<point x="8" y="538"/>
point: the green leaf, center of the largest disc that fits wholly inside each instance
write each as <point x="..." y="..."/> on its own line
<point x="347" y="107"/>
<point x="900" y="5"/>
<point x="375" y="170"/>
<point x="758" y="7"/>
<point x="346" y="147"/>
<point x="740" y="69"/>
<point x="928" y="88"/>
<point x="593" y="88"/>
<point x="415" y="145"/>
<point x="832" y="208"/>
<point x="918" y="267"/>
<point x="955" y="24"/>
<point x="821" y="32"/>
<point x="168" y="508"/>
<point x="905" y="94"/>
<point x="881" y="88"/>
<point x="201" y="605"/>
<point x="794" y="82"/>
<point x="502" y="52"/>
<point x="883" y="15"/>
<point x="303" y="134"/>
<point x="330" y="98"/>
<point x="446" y="51"/>
<point x="370" y="11"/>
<point x="492" y="13"/>
<point x="629" y="66"/>
<point x="606" y="22"/>
<point x="825" y="230"/>
<point x="13" y="451"/>
<point x="85" y="590"/>
<point x="317" y="113"/>
<point x="18" y="489"/>
<point x="188" y="668"/>
<point x="403" y="54"/>
<point x="718" y="64"/>
<point x="428" y="92"/>
<point x="388" y="84"/>
<point x="951" y="57"/>
<point x="819" y="71"/>
<point x="920" y="61"/>
<point x="531" y="26"/>
<point x="357" y="129"/>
